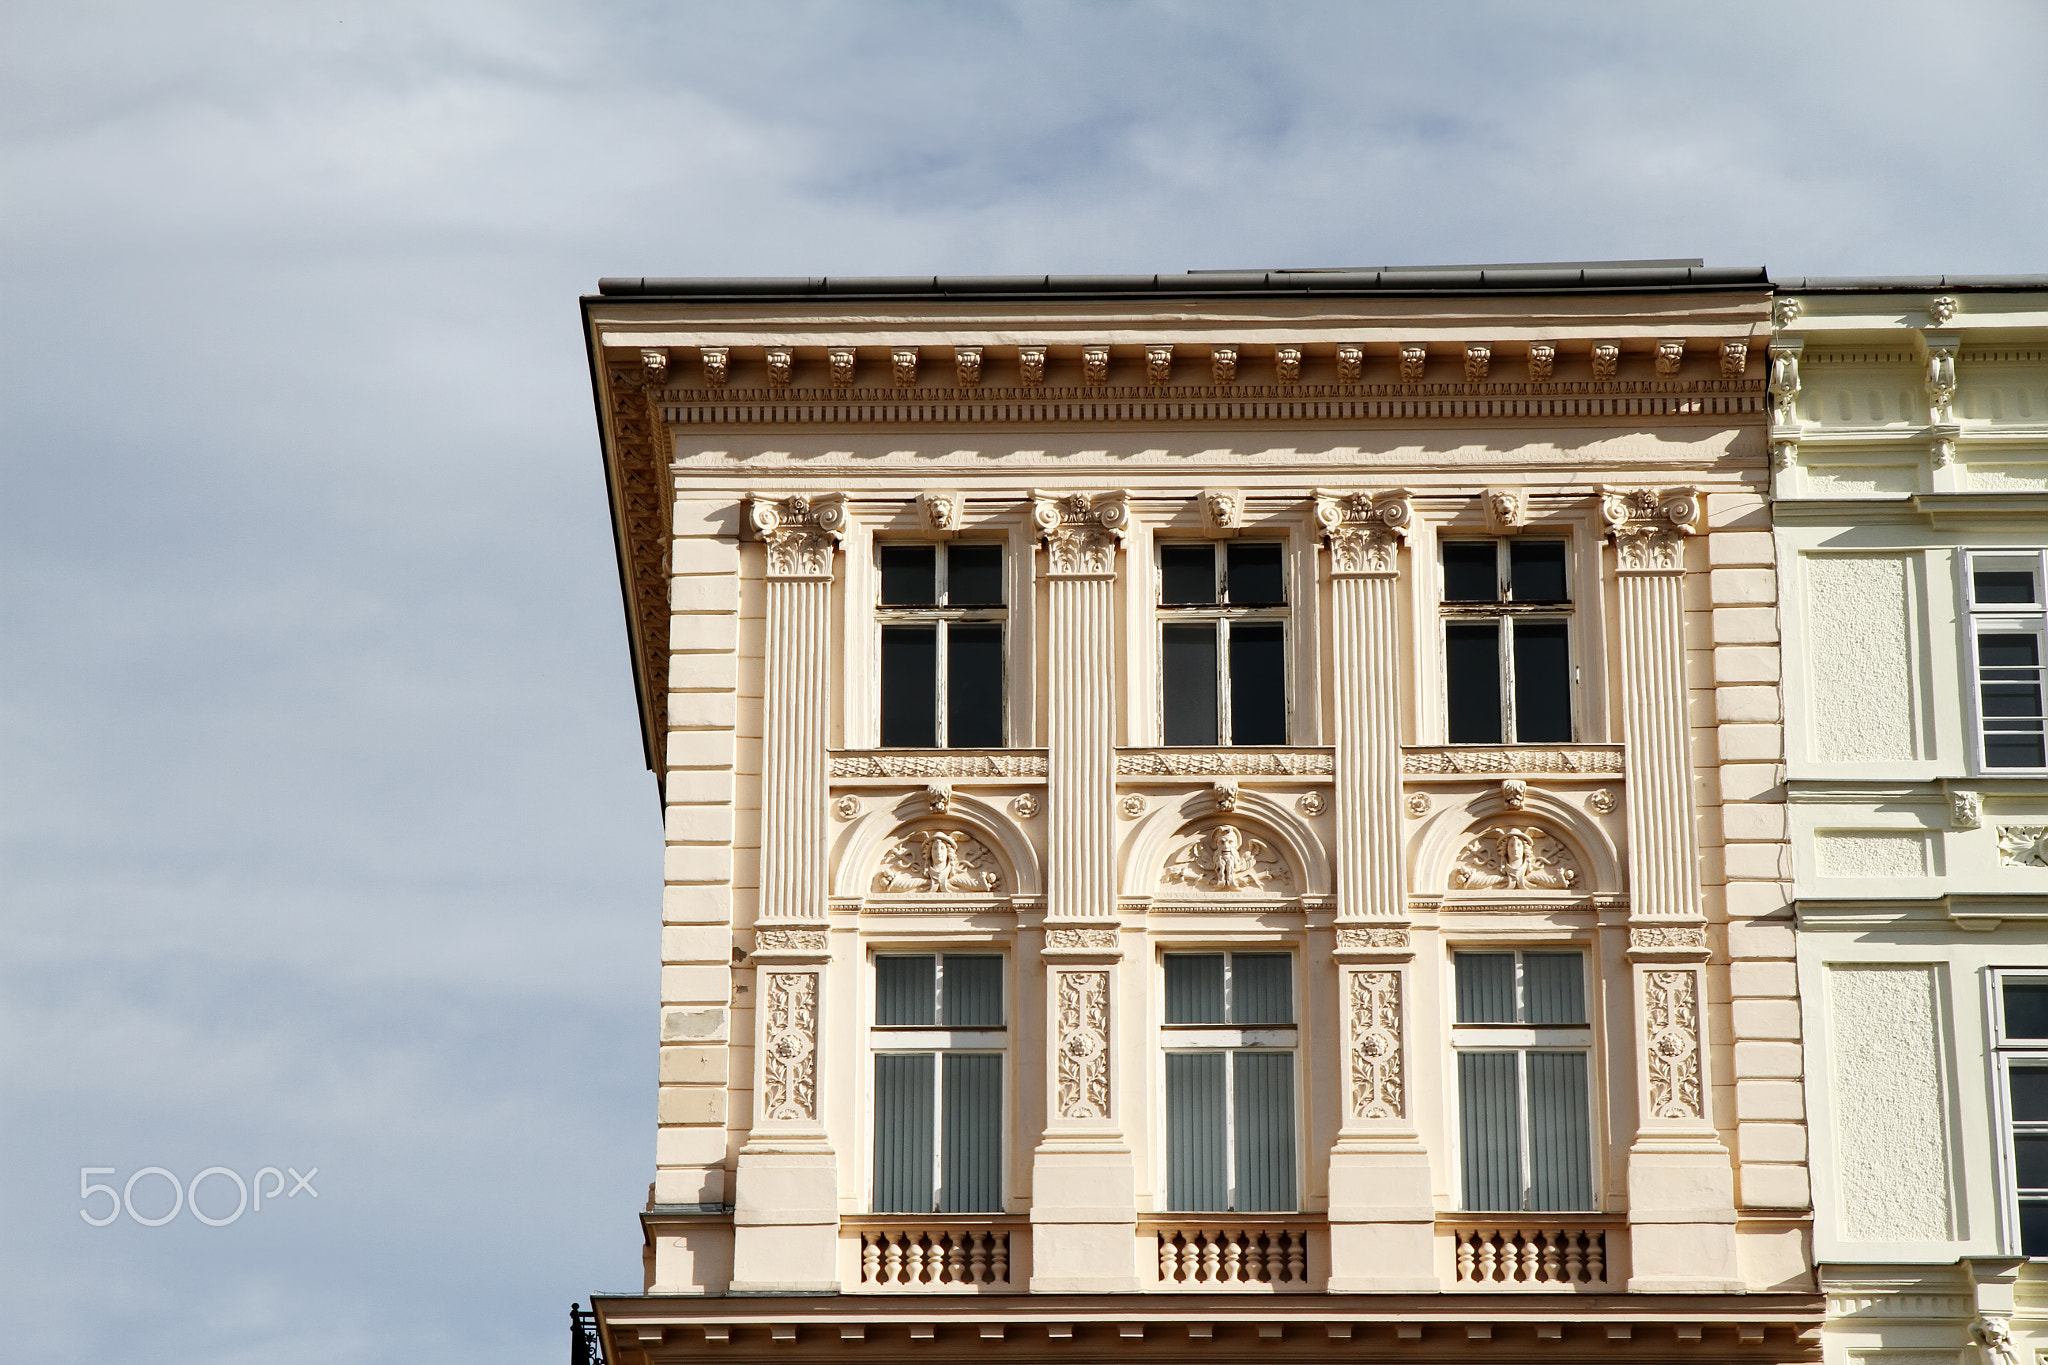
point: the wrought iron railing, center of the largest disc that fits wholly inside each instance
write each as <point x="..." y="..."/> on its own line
<point x="585" y="1346"/>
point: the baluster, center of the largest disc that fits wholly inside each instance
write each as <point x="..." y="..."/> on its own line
<point x="1551" y="1262"/>
<point x="1466" y="1256"/>
<point x="1531" y="1255"/>
<point x="934" y="1260"/>
<point x="1489" y="1254"/>
<point x="956" y="1259"/>
<point x="1256" y="1264"/>
<point x="1234" y="1257"/>
<point x="1297" y="1257"/>
<point x="1574" y="1259"/>
<point x="870" y="1257"/>
<point x="1211" y="1253"/>
<point x="1190" y="1253"/>
<point x="999" y="1259"/>
<point x="1596" y="1257"/>
<point x="892" y="1262"/>
<point x="977" y="1257"/>
<point x="1169" y="1260"/>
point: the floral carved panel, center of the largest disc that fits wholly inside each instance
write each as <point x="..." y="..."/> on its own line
<point x="1225" y="858"/>
<point x="790" y="1067"/>
<point x="1672" y="1022"/>
<point x="1514" y="858"/>
<point x="1084" y="1045"/>
<point x="1376" y="1082"/>
<point x="938" y="861"/>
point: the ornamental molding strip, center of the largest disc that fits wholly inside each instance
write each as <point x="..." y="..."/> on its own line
<point x="1365" y="531"/>
<point x="802" y="532"/>
<point x="1226" y="763"/>
<point x="2023" y="845"/>
<point x="937" y="862"/>
<point x="1081" y="532"/>
<point x="1515" y="858"/>
<point x="1372" y="938"/>
<point x="1485" y="762"/>
<point x="641" y="448"/>
<point x="1377" y="1091"/>
<point x="1648" y="524"/>
<point x="1667" y="938"/>
<point x="1672" y="1019"/>
<point x="1083" y="1021"/>
<point x="790" y="1061"/>
<point x="920" y="766"/>
<point x="789" y="940"/>
<point x="1070" y="940"/>
<point x="1225" y="859"/>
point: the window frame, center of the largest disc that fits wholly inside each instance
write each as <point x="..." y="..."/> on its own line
<point x="2004" y="618"/>
<point x="938" y="1040"/>
<point x="1522" y="1039"/>
<point x="2004" y="1053"/>
<point x="940" y="615"/>
<point x="1222" y="612"/>
<point x="1229" y="1040"/>
<point x="1504" y="611"/>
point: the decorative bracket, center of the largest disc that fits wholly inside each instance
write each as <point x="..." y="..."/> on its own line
<point x="1648" y="524"/>
<point x="1222" y="509"/>
<point x="1364" y="530"/>
<point x="1081" y="532"/>
<point x="939" y="513"/>
<point x="1507" y="509"/>
<point x="1784" y="382"/>
<point x="801" y="531"/>
<point x="1223" y="364"/>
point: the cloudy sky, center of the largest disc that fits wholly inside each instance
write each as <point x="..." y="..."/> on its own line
<point x="326" y="838"/>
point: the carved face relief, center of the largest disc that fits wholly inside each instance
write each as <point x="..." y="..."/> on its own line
<point x="938" y="862"/>
<point x="1223" y="859"/>
<point x="1514" y="858"/>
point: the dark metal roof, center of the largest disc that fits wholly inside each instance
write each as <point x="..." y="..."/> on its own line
<point x="1537" y="278"/>
<point x="1906" y="284"/>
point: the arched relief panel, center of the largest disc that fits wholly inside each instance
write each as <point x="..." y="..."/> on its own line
<point x="1439" y="849"/>
<point x="1167" y="833"/>
<point x="973" y="837"/>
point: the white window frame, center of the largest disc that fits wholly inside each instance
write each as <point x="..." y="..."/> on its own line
<point x="1230" y="1039"/>
<point x="2004" y="1053"/>
<point x="2004" y="618"/>
<point x="1505" y="611"/>
<point x="935" y="1041"/>
<point x="1223" y="613"/>
<point x="939" y="615"/>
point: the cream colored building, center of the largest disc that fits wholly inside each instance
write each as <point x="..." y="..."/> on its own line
<point x="1910" y="430"/>
<point x="1214" y="812"/>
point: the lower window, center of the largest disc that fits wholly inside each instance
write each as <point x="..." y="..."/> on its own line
<point x="1524" y="1089"/>
<point x="1230" y="1035"/>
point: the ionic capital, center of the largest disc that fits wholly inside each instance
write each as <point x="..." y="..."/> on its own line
<point x="1081" y="531"/>
<point x="802" y="532"/>
<point x="1648" y="524"/>
<point x="1364" y="530"/>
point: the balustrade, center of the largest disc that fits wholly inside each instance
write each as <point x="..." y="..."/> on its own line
<point x="1273" y="1257"/>
<point x="934" y="1259"/>
<point x="1530" y="1258"/>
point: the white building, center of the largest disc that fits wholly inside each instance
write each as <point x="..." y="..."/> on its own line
<point x="1910" y="438"/>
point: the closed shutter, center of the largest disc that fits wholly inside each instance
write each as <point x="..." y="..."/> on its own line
<point x="1263" y="1108"/>
<point x="974" y="990"/>
<point x="1554" y="987"/>
<point x="903" y="1132"/>
<point x="1560" y="1150"/>
<point x="1486" y="987"/>
<point x="1195" y="1142"/>
<point x="905" y="989"/>
<point x="1194" y="988"/>
<point x="1261" y="988"/>
<point x="1490" y="1130"/>
<point x="971" y="1159"/>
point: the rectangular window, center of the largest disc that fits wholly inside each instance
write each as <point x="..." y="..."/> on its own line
<point x="1222" y="643"/>
<point x="1508" y="670"/>
<point x="1230" y="1043"/>
<point x="941" y="616"/>
<point x="2008" y="652"/>
<point x="938" y="1041"/>
<point x="2020" y="1004"/>
<point x="1523" y="1045"/>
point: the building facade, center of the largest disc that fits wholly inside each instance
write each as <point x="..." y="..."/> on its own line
<point x="1910" y="433"/>
<point x="1213" y="812"/>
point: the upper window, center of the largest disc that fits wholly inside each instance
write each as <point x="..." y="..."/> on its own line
<point x="2021" y="1030"/>
<point x="938" y="1043"/>
<point x="941" y="615"/>
<point x="1524" y="1101"/>
<point x="1507" y="642"/>
<point x="1222" y="643"/>
<point x="2008" y="648"/>
<point x="1230" y="1038"/>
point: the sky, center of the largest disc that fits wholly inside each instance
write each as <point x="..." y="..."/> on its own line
<point x="326" y="841"/>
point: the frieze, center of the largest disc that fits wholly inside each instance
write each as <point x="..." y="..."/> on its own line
<point x="1490" y="761"/>
<point x="1377" y="1090"/>
<point x="1083" y="1042"/>
<point x="938" y="765"/>
<point x="1081" y="940"/>
<point x="1653" y="937"/>
<point x="2023" y="845"/>
<point x="1371" y="937"/>
<point x="938" y="862"/>
<point x="1225" y="859"/>
<point x="1226" y="763"/>
<point x="789" y="940"/>
<point x="1514" y="858"/>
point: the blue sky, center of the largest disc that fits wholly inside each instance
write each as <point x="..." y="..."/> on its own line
<point x="326" y="838"/>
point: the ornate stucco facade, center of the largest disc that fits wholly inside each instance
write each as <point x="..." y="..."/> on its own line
<point x="1910" y="439"/>
<point x="1414" y="1006"/>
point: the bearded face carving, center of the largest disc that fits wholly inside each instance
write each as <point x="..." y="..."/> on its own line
<point x="1224" y="859"/>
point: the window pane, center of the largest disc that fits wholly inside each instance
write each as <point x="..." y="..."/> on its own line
<point x="974" y="575"/>
<point x="2019" y="698"/>
<point x="1472" y="681"/>
<point x="971" y="1152"/>
<point x="2029" y="1092"/>
<point x="910" y="675"/>
<point x="1554" y="986"/>
<point x="2033" y="1228"/>
<point x="1536" y="570"/>
<point x="1187" y="663"/>
<point x="2026" y="1009"/>
<point x="1262" y="1107"/>
<point x="2015" y="750"/>
<point x="1543" y="683"/>
<point x="974" y="990"/>
<point x="1258" y="683"/>
<point x="974" y="686"/>
<point x="1486" y="987"/>
<point x="1194" y="988"/>
<point x="2030" y="1160"/>
<point x="1471" y="571"/>
<point x="2008" y="651"/>
<point x="1254" y="574"/>
<point x="1560" y="1145"/>
<point x="1996" y="586"/>
<point x="1187" y="574"/>
<point x="903" y="1133"/>
<point x="1195" y="1147"/>
<point x="1261" y="988"/>
<point x="1489" y="1124"/>
<point x="908" y="579"/>
<point x="906" y="991"/>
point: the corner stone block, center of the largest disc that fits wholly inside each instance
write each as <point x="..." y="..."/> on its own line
<point x="691" y="1104"/>
<point x="1757" y="900"/>
<point x="1757" y="862"/>
<point x="699" y="824"/>
<point x="1745" y="587"/>
<point x="1768" y="1061"/>
<point x="1751" y="782"/>
<point x="1760" y="938"/>
<point x="697" y="944"/>
<point x="704" y="592"/>
<point x="697" y="862"/>
<point x="702" y="710"/>
<point x="1732" y="705"/>
<point x="1771" y="1141"/>
<point x="1775" y="1187"/>
<point x="691" y="1146"/>
<point x="696" y="905"/>
<point x="1751" y="743"/>
<point x="1729" y="549"/>
<point x="1740" y="822"/>
<point x="701" y="748"/>
<point x="1763" y="980"/>
<point x="1778" y="1019"/>
<point x="1745" y="625"/>
<point x="699" y="787"/>
<point x="703" y="555"/>
<point x="1769" y="1100"/>
<point x="693" y="633"/>
<point x="693" y="1025"/>
<point x="1737" y="511"/>
<point x="1742" y="664"/>
<point x="695" y="517"/>
<point x="694" y="1066"/>
<point x="696" y="985"/>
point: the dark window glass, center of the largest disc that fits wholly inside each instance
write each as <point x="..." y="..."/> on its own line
<point x="906" y="991"/>
<point x="1471" y="571"/>
<point x="2033" y="1228"/>
<point x="974" y="686"/>
<point x="2015" y="751"/>
<point x="910" y="664"/>
<point x="1486" y="987"/>
<point x="1187" y="574"/>
<point x="1258" y="683"/>
<point x="2029" y="1094"/>
<point x="974" y="575"/>
<point x="2026" y="1010"/>
<point x="1194" y="988"/>
<point x="1187" y="658"/>
<point x="1554" y="986"/>
<point x="1261" y="988"/>
<point x="974" y="990"/>
<point x="908" y="577"/>
<point x="1536" y="570"/>
<point x="2030" y="1159"/>
<point x="1255" y="576"/>
<point x="2008" y="651"/>
<point x="2003" y="585"/>
<point x="1543" y="683"/>
<point x="1472" y="681"/>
